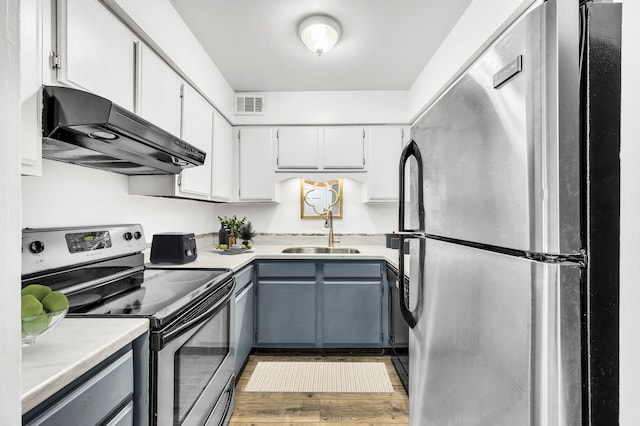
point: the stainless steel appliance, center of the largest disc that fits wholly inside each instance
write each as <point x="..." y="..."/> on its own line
<point x="398" y="329"/>
<point x="191" y="313"/>
<point x="514" y="227"/>
<point x="85" y="129"/>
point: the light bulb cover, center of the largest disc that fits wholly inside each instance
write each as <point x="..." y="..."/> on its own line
<point x="319" y="33"/>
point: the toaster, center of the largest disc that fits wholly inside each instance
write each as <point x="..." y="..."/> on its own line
<point x="173" y="247"/>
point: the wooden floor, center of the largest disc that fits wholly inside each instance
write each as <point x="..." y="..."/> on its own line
<point x="326" y="409"/>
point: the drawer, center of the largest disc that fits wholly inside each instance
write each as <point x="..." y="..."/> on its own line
<point x="243" y="277"/>
<point x="124" y="417"/>
<point x="92" y="401"/>
<point x="287" y="269"/>
<point x="352" y="270"/>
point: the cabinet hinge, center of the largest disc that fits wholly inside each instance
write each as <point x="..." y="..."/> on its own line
<point x="182" y="90"/>
<point x="180" y="180"/>
<point x="278" y="134"/>
<point x="54" y="61"/>
<point x="402" y="134"/>
<point x="363" y="134"/>
<point x="256" y="336"/>
<point x="238" y="135"/>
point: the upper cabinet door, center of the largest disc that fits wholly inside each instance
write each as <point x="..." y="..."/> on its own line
<point x="256" y="165"/>
<point x="297" y="147"/>
<point x="96" y="51"/>
<point x="344" y="147"/>
<point x="222" y="159"/>
<point x="159" y="92"/>
<point x="197" y="129"/>
<point x="31" y="78"/>
<point x="385" y="147"/>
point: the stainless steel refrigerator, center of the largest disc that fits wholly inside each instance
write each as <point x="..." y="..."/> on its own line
<point x="513" y="221"/>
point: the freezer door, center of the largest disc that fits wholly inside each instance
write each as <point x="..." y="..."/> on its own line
<point x="500" y="147"/>
<point x="497" y="340"/>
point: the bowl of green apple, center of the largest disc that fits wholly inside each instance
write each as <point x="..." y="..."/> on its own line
<point x="42" y="310"/>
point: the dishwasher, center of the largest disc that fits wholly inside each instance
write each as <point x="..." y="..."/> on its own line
<point x="398" y="328"/>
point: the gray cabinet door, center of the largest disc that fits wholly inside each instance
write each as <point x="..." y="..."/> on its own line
<point x="244" y="325"/>
<point x="352" y="313"/>
<point x="286" y="312"/>
<point x="93" y="401"/>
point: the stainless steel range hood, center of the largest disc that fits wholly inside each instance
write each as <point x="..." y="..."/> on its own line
<point x="82" y="128"/>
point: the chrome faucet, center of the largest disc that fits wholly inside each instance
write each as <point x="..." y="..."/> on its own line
<point x="328" y="223"/>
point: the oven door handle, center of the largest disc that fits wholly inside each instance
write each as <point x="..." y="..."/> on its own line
<point x="167" y="336"/>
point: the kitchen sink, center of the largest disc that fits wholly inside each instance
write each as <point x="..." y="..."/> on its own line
<point x="334" y="250"/>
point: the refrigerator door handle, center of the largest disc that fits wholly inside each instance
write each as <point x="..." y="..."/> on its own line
<point x="411" y="150"/>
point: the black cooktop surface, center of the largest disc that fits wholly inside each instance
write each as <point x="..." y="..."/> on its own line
<point x="157" y="293"/>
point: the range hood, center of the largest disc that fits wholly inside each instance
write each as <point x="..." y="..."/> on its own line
<point x="85" y="129"/>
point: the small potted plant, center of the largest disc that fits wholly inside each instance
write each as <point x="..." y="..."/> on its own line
<point x="247" y="234"/>
<point x="233" y="226"/>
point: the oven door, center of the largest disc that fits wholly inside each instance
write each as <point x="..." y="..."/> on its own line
<point x="193" y="371"/>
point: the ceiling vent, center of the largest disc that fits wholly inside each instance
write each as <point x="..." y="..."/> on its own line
<point x="249" y="105"/>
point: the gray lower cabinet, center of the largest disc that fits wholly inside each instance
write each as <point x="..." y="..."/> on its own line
<point x="351" y="313"/>
<point x="244" y="332"/>
<point x="316" y="304"/>
<point x="286" y="313"/>
<point x="106" y="395"/>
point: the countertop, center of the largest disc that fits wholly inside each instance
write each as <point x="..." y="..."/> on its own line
<point x="71" y="349"/>
<point x="53" y="362"/>
<point x="208" y="257"/>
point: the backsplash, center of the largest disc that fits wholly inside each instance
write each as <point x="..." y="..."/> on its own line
<point x="346" y="240"/>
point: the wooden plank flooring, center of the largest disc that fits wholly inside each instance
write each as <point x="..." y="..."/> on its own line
<point x="326" y="409"/>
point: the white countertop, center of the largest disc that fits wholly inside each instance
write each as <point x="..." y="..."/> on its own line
<point x="78" y="344"/>
<point x="208" y="257"/>
<point x="71" y="349"/>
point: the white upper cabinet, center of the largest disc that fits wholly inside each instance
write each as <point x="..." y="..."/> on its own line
<point x="320" y="149"/>
<point x="197" y="129"/>
<point x="344" y="147"/>
<point x="31" y="78"/>
<point x="385" y="147"/>
<point x="159" y="92"/>
<point x="96" y="52"/>
<point x="297" y="148"/>
<point x="221" y="189"/>
<point x="255" y="146"/>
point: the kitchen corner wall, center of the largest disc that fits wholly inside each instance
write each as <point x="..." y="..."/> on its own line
<point x="69" y="195"/>
<point x="284" y="217"/>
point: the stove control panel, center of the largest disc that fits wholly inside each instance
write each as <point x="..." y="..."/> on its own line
<point x="51" y="248"/>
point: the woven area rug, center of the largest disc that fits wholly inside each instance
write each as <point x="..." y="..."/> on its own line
<point x="320" y="377"/>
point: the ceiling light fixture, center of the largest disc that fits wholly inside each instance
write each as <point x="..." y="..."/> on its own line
<point x="319" y="33"/>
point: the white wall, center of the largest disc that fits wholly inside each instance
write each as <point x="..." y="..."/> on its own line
<point x="476" y="29"/>
<point x="284" y="217"/>
<point x="346" y="107"/>
<point x="158" y="23"/>
<point x="629" y="223"/>
<point x="10" y="356"/>
<point x="69" y="195"/>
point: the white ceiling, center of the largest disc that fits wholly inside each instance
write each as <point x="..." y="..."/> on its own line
<point x="385" y="44"/>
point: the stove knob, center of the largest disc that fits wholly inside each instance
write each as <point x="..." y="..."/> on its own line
<point x="36" y="247"/>
<point x="137" y="235"/>
<point x="128" y="236"/>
